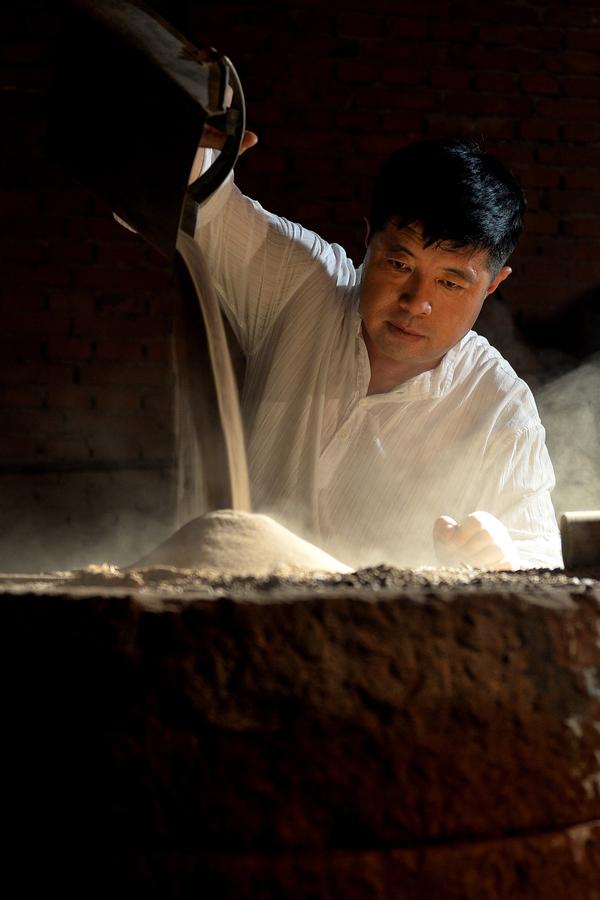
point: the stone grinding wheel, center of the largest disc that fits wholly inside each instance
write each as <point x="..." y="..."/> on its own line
<point x="354" y="741"/>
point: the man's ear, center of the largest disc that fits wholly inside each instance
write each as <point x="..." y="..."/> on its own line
<point x="500" y="277"/>
<point x="367" y="232"/>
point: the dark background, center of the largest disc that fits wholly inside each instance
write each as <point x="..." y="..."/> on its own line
<point x="86" y="441"/>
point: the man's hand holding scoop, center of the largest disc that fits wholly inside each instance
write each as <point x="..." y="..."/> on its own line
<point x="480" y="540"/>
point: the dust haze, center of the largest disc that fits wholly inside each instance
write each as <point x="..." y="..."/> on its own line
<point x="569" y="408"/>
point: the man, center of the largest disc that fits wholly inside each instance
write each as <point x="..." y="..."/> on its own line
<point x="378" y="424"/>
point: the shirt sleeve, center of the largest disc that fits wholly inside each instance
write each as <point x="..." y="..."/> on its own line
<point x="259" y="262"/>
<point x="522" y="477"/>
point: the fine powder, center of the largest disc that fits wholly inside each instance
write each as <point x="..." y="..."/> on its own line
<point x="239" y="543"/>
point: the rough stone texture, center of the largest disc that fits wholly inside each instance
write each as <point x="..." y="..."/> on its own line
<point x="379" y="735"/>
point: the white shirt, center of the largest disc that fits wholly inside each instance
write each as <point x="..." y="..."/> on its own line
<point x="366" y="476"/>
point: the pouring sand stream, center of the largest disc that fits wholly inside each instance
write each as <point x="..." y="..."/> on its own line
<point x="232" y="541"/>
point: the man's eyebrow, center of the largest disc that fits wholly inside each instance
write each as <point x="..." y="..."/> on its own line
<point x="394" y="247"/>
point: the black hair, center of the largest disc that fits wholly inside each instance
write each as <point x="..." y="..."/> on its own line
<point x="459" y="195"/>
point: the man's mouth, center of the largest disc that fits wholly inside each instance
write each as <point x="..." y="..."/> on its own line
<point x="404" y="333"/>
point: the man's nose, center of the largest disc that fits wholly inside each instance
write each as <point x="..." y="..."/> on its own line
<point x="415" y="296"/>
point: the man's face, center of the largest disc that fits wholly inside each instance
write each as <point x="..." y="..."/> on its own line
<point x="416" y="302"/>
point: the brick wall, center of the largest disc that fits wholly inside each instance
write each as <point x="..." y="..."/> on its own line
<point x="331" y="89"/>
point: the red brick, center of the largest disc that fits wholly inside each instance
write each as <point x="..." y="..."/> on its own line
<point x="351" y="121"/>
<point x="377" y="144"/>
<point x="158" y="401"/>
<point x="402" y="74"/>
<point x="97" y="228"/>
<point x="26" y="322"/>
<point x="269" y="163"/>
<point x="69" y="349"/>
<point x="548" y="296"/>
<point x="451" y="79"/>
<point x="360" y="165"/>
<point x="586" y="179"/>
<point x="105" y="326"/>
<point x="542" y="223"/>
<point x="33" y="226"/>
<point x="18" y="274"/>
<point x="23" y="373"/>
<point x="534" y="204"/>
<point x="118" y="279"/>
<point x="67" y="202"/>
<point x="483" y="128"/>
<point x="64" y="449"/>
<point x="131" y="254"/>
<point x="574" y="202"/>
<point x="538" y="269"/>
<point x="68" y="396"/>
<point x="496" y="82"/>
<point x="99" y="373"/>
<point x="569" y="109"/>
<point x="69" y="250"/>
<point x="506" y="59"/>
<point x="125" y="439"/>
<point x="542" y="38"/>
<point x="513" y="154"/>
<point x="454" y="31"/>
<point x="522" y="14"/>
<point x="30" y="421"/>
<point x="582" y="132"/>
<point x="402" y="124"/>
<point x="358" y="71"/>
<point x="22" y="249"/>
<point x="118" y="350"/>
<point x="588" y="271"/>
<point x="580" y="63"/>
<point x="299" y="138"/>
<point x="538" y="176"/>
<point x="160" y="446"/>
<point x="582" y="87"/>
<point x="18" y="203"/>
<point x="535" y="129"/>
<point x="117" y="399"/>
<point x="569" y="155"/>
<point x="539" y="83"/>
<point x="420" y="99"/>
<point x="25" y="396"/>
<point x="583" y="226"/>
<point x="403" y="27"/>
<point x="486" y="104"/>
<point x="21" y="349"/>
<point x="584" y="39"/>
<point x="572" y="16"/>
<point x="352" y="211"/>
<point x="393" y="51"/>
<point x="500" y="35"/>
<point x="532" y="245"/>
<point x="589" y="249"/>
<point x="311" y="210"/>
<point x="19" y="449"/>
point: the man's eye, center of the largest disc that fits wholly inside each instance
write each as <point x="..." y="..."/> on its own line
<point x="451" y="285"/>
<point x="397" y="265"/>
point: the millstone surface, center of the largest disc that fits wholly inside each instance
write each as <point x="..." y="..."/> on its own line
<point x="261" y="736"/>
